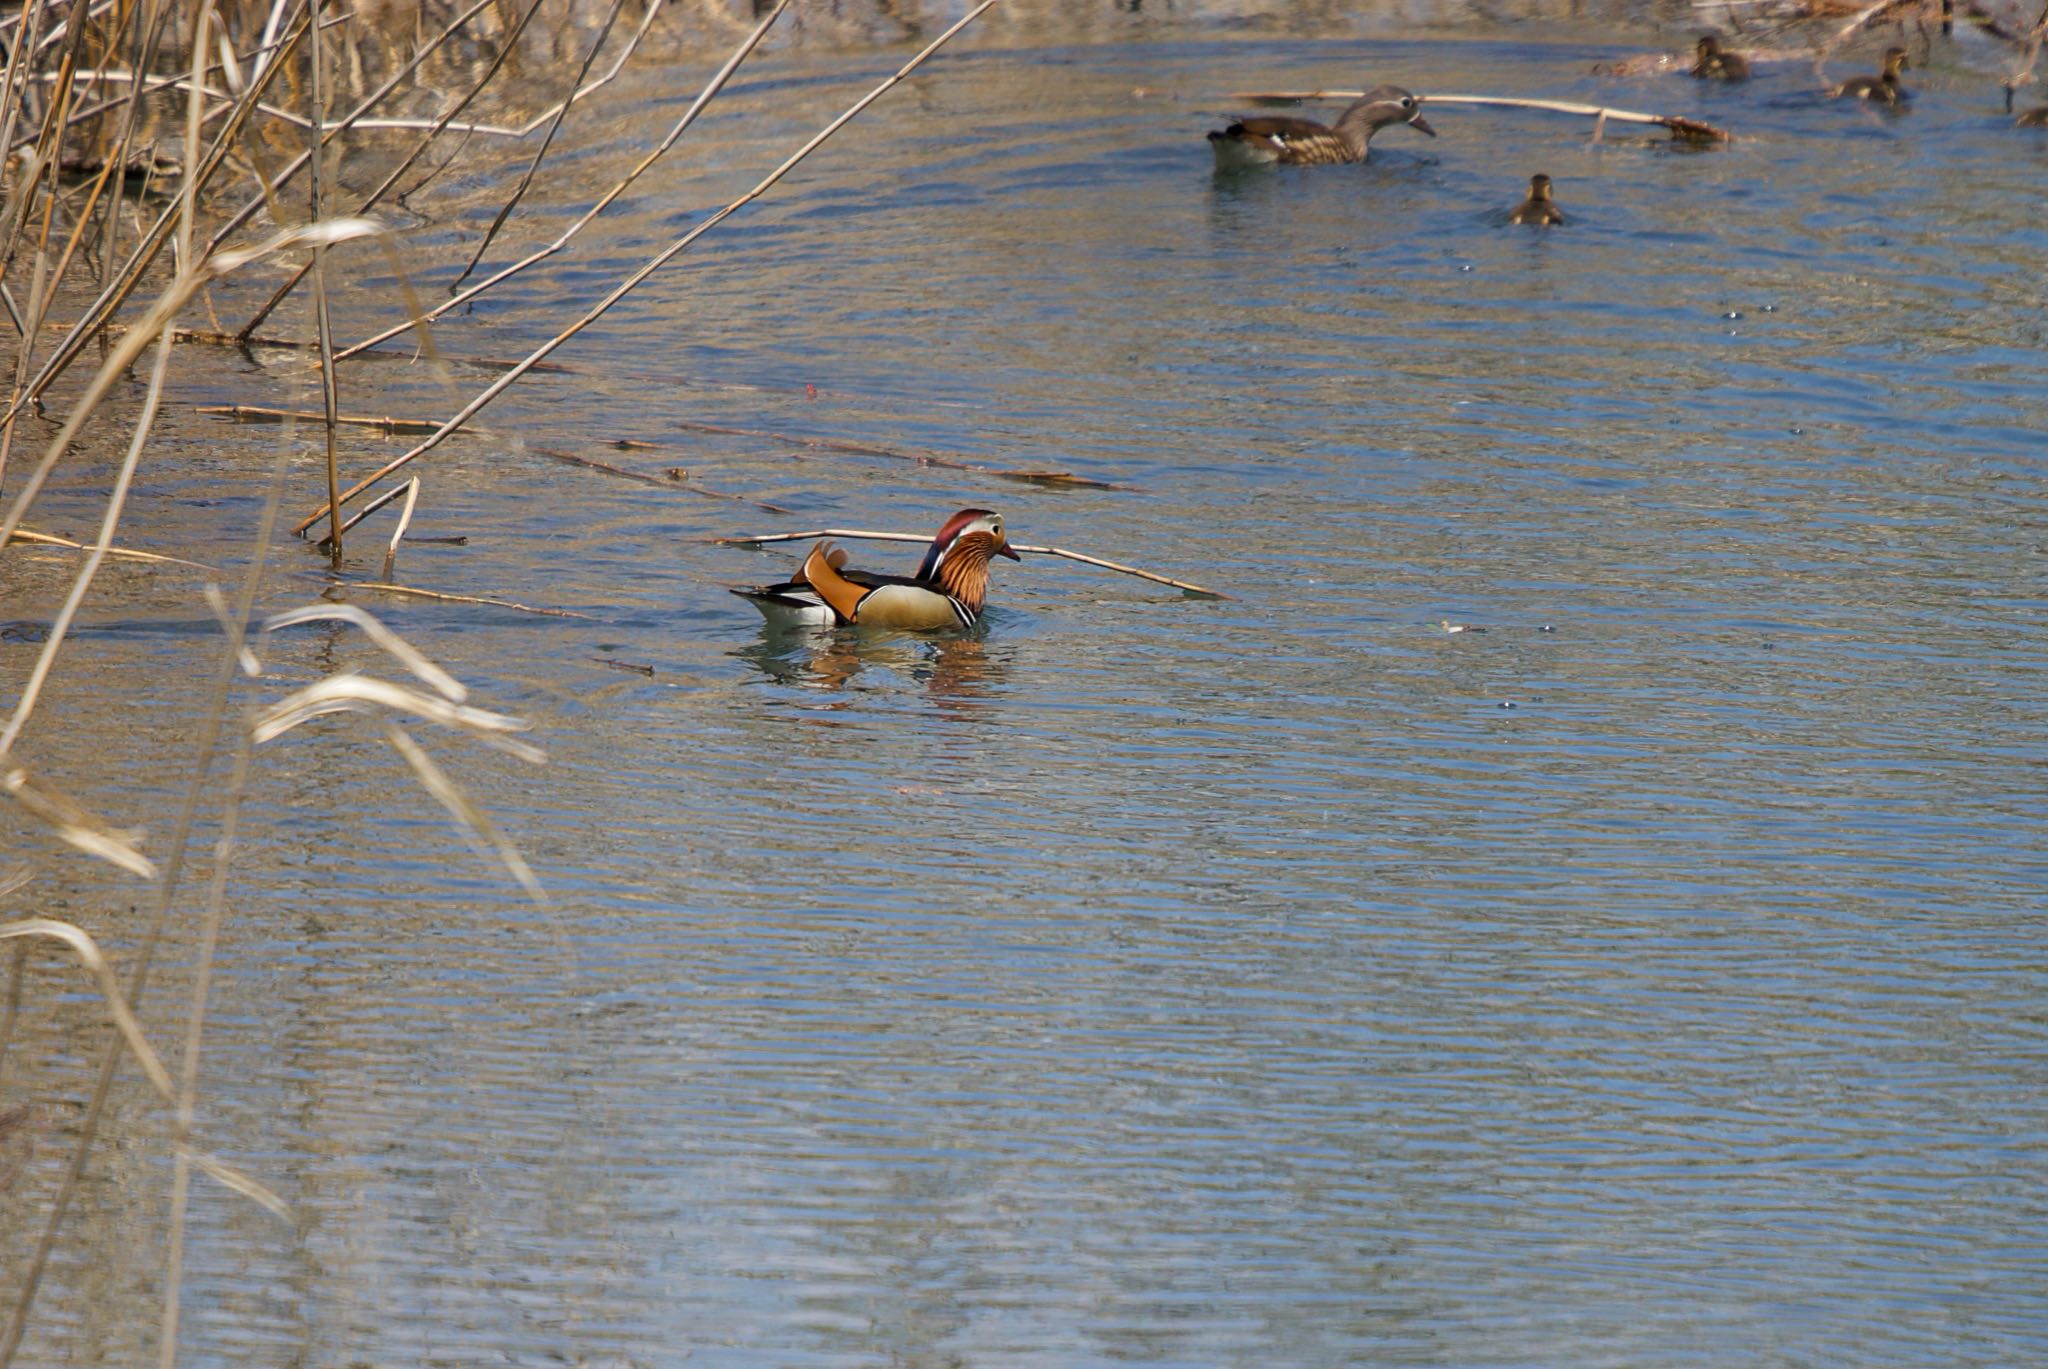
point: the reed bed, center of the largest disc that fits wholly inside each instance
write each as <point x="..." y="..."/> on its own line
<point x="153" y="149"/>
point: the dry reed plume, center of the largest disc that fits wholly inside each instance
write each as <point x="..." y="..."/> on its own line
<point x="145" y="142"/>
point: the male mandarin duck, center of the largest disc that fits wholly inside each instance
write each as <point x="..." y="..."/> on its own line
<point x="1303" y="142"/>
<point x="947" y="591"/>
<point x="1883" y="87"/>
<point x="1714" y="64"/>
<point x="1539" y="208"/>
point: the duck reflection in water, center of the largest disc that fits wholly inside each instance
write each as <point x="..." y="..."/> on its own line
<point x="958" y="670"/>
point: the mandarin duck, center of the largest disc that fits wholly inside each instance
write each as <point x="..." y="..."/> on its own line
<point x="1713" y="64"/>
<point x="1303" y="142"/>
<point x="1884" y="87"/>
<point x="1539" y="208"/>
<point x="2036" y="117"/>
<point x="947" y="592"/>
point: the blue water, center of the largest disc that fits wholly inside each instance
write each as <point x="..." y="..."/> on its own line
<point x="1650" y="979"/>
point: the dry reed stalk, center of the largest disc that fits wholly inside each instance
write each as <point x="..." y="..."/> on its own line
<point x="414" y="592"/>
<point x="412" y="497"/>
<point x="158" y="14"/>
<point x="1693" y="130"/>
<point x="764" y="539"/>
<point x="29" y="21"/>
<point x="383" y="638"/>
<point x="44" y="539"/>
<point x="380" y="501"/>
<point x="138" y="982"/>
<point x="17" y="1325"/>
<point x="661" y="259"/>
<point x="202" y="991"/>
<point x="129" y="277"/>
<point x="540" y="153"/>
<point x="711" y="89"/>
<point x="70" y="822"/>
<point x="202" y="170"/>
<point x="397" y="173"/>
<point x="348" y="692"/>
<point x="157" y="322"/>
<point x="353" y="119"/>
<point x="474" y="824"/>
<point x="117" y="500"/>
<point x="256" y="413"/>
<point x="316" y="181"/>
<point x="88" y="954"/>
<point x="445" y="124"/>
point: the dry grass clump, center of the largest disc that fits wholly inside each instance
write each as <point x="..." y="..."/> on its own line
<point x="152" y="149"/>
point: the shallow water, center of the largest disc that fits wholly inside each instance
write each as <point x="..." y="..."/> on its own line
<point x="1650" y="979"/>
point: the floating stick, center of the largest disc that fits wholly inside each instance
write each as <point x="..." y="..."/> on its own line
<point x="1691" y="129"/>
<point x="44" y="539"/>
<point x="765" y="538"/>
<point x="833" y="444"/>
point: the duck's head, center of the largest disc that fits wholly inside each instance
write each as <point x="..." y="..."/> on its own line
<point x="971" y="534"/>
<point x="1709" y="47"/>
<point x="1393" y="105"/>
<point x="1539" y="186"/>
<point x="1895" y="61"/>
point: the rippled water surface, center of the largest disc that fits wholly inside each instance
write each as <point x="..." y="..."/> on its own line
<point x="1651" y="979"/>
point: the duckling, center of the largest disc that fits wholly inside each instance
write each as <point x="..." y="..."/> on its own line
<point x="1713" y="64"/>
<point x="2036" y="117"/>
<point x="1539" y="208"/>
<point x="1883" y="88"/>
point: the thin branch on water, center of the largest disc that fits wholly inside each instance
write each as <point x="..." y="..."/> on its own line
<point x="830" y="444"/>
<point x="257" y="413"/>
<point x="1692" y="130"/>
<point x="674" y="479"/>
<point x="660" y="260"/>
<point x="415" y="592"/>
<point x="1021" y="548"/>
<point x="44" y="539"/>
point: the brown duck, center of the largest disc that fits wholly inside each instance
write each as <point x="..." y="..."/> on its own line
<point x="2036" y="117"/>
<point x="1539" y="208"/>
<point x="947" y="592"/>
<point x="1715" y="64"/>
<point x="1303" y="142"/>
<point x="1884" y="87"/>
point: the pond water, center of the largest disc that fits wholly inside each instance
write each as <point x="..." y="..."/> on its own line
<point x="1651" y="979"/>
